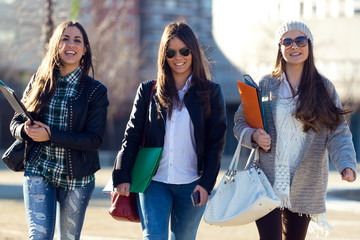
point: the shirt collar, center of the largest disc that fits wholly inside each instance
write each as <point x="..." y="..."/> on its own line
<point x="186" y="86"/>
<point x="285" y="88"/>
<point x="72" y="77"/>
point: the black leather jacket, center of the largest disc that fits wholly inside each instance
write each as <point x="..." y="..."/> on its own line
<point x="86" y="127"/>
<point x="209" y="133"/>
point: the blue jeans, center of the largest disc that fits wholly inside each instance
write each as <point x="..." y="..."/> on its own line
<point x="44" y="205"/>
<point x="159" y="202"/>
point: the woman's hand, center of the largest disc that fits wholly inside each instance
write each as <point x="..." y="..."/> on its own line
<point x="348" y="175"/>
<point x="203" y="195"/>
<point x="123" y="189"/>
<point x="39" y="132"/>
<point x="262" y="139"/>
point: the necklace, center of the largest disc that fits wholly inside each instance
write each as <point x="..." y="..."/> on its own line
<point x="294" y="91"/>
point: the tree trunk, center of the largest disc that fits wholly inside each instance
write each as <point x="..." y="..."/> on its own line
<point x="49" y="23"/>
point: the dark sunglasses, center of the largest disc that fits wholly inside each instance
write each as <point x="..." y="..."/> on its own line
<point x="170" y="53"/>
<point x="301" y="41"/>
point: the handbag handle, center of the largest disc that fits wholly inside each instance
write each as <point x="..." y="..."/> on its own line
<point x="232" y="170"/>
<point x="236" y="157"/>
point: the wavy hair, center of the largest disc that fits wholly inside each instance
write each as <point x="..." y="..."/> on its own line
<point x="166" y="88"/>
<point x="44" y="83"/>
<point x="315" y="105"/>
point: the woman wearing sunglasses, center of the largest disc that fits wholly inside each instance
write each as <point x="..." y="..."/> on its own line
<point x="306" y="124"/>
<point x="185" y="116"/>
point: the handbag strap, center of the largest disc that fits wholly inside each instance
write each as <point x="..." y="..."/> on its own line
<point x="235" y="160"/>
<point x="232" y="170"/>
<point x="147" y="111"/>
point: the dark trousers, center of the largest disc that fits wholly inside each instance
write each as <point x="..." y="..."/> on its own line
<point x="283" y="225"/>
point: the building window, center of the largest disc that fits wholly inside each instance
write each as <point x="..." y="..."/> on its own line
<point x="207" y="5"/>
<point x="289" y="10"/>
<point x="171" y="4"/>
<point x="334" y="8"/>
<point x="7" y="35"/>
<point x="349" y="8"/>
<point x="357" y="7"/>
<point x="274" y="9"/>
<point x="306" y="9"/>
<point x="7" y="1"/>
<point x="120" y="3"/>
<point x="320" y="9"/>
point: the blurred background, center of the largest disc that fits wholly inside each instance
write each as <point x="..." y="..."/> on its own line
<point x="237" y="36"/>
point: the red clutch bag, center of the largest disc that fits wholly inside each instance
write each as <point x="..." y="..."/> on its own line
<point x="124" y="208"/>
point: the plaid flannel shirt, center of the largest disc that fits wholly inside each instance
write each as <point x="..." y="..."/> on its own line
<point x="52" y="160"/>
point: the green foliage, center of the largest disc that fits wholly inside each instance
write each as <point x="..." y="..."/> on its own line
<point x="75" y="9"/>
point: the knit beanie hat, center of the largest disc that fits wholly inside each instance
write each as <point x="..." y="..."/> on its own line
<point x="293" y="25"/>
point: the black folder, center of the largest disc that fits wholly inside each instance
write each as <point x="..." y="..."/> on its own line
<point x="14" y="101"/>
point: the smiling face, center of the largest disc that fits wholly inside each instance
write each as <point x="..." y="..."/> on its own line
<point x="294" y="55"/>
<point x="71" y="49"/>
<point x="180" y="65"/>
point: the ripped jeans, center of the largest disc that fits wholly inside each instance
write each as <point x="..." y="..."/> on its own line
<point x="45" y="205"/>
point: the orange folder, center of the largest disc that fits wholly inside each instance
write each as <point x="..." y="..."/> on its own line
<point x="251" y="101"/>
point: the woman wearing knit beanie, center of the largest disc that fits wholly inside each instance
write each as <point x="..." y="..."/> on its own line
<point x="305" y="124"/>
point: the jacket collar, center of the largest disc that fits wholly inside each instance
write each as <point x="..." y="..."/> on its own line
<point x="194" y="106"/>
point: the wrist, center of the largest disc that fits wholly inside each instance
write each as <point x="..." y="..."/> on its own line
<point x="253" y="138"/>
<point x="48" y="132"/>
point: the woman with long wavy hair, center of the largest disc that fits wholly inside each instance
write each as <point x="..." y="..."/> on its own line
<point x="69" y="108"/>
<point x="185" y="116"/>
<point x="305" y="124"/>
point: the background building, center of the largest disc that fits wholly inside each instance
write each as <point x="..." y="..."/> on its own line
<point x="249" y="41"/>
<point x="237" y="35"/>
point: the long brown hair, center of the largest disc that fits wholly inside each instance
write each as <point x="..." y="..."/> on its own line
<point x="44" y="83"/>
<point x="315" y="104"/>
<point x="166" y="88"/>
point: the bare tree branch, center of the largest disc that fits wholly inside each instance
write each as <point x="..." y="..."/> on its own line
<point x="112" y="32"/>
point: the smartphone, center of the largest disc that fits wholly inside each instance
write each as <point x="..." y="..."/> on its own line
<point x="195" y="198"/>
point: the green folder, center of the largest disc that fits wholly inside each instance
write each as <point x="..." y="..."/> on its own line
<point x="146" y="164"/>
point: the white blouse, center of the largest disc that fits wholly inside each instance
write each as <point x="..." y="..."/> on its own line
<point x="178" y="164"/>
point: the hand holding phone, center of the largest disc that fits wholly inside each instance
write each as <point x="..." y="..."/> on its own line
<point x="195" y="198"/>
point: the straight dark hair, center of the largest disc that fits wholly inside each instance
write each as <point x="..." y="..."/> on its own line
<point x="44" y="83"/>
<point x="166" y="88"/>
<point x="315" y="105"/>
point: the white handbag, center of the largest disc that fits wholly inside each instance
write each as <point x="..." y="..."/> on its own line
<point x="241" y="197"/>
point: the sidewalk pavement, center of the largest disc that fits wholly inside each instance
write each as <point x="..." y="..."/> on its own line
<point x="343" y="211"/>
